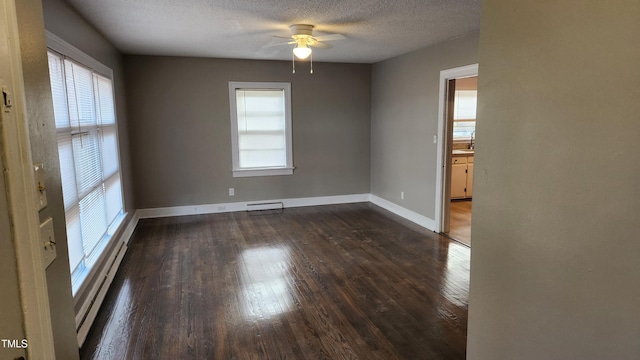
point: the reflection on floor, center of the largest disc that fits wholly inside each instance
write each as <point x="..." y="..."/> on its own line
<point x="460" y="221"/>
<point x="333" y="282"/>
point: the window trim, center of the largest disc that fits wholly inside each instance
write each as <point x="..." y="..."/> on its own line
<point x="62" y="47"/>
<point x="268" y="171"/>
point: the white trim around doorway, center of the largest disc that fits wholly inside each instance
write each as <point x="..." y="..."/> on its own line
<point x="445" y="76"/>
<point x="21" y="192"/>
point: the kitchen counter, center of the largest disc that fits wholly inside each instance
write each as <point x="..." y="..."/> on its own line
<point x="465" y="152"/>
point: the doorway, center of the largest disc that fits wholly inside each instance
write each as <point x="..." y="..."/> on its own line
<point x="456" y="153"/>
<point x="18" y="206"/>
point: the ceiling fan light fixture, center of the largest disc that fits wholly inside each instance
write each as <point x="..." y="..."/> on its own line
<point x="302" y="52"/>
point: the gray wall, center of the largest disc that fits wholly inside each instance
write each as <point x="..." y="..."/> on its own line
<point x="404" y="119"/>
<point x="181" y="132"/>
<point x="555" y="265"/>
<point x="44" y="149"/>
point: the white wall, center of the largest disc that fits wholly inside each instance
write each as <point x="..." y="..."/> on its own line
<point x="404" y="119"/>
<point x="555" y="266"/>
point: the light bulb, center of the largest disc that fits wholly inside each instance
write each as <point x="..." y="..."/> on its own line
<point x="302" y="52"/>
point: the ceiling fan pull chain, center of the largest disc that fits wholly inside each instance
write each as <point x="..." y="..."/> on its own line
<point x="311" y="71"/>
<point x="293" y="60"/>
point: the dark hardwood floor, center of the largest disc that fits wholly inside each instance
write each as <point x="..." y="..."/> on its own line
<point x="328" y="282"/>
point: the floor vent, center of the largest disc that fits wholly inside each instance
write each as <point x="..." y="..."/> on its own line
<point x="265" y="206"/>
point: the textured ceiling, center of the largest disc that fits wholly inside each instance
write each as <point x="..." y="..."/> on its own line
<point x="375" y="29"/>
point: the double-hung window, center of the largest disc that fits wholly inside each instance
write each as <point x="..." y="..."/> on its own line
<point x="464" y="114"/>
<point x="261" y="128"/>
<point x="85" y="121"/>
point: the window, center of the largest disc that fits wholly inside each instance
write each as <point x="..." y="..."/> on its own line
<point x="464" y="114"/>
<point x="88" y="151"/>
<point x="261" y="128"/>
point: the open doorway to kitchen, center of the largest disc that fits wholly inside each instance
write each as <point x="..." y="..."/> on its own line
<point x="458" y="99"/>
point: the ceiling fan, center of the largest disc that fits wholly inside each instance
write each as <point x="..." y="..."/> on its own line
<point x="303" y="39"/>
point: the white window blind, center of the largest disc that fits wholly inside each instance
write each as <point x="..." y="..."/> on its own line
<point x="260" y="116"/>
<point x="261" y="128"/>
<point x="88" y="152"/>
<point x="464" y="114"/>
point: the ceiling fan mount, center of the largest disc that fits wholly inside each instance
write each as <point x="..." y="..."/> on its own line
<point x="301" y="30"/>
<point x="302" y="35"/>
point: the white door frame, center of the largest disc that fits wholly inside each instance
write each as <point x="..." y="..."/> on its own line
<point x="21" y="192"/>
<point x="445" y="76"/>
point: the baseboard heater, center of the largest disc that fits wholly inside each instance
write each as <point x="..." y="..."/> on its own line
<point x="265" y="206"/>
<point x="92" y="310"/>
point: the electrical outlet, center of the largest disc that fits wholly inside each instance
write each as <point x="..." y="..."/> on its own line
<point x="232" y="192"/>
<point x="401" y="195"/>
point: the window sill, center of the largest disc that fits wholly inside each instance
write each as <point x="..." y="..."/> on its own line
<point x="263" y="172"/>
<point x="80" y="278"/>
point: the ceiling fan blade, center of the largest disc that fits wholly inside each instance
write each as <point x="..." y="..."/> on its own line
<point x="321" y="45"/>
<point x="330" y="37"/>
<point x="277" y="44"/>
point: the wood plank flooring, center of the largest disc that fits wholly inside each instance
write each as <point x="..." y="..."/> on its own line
<point x="460" y="221"/>
<point x="328" y="282"/>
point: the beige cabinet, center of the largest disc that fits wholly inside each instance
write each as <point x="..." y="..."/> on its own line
<point x="461" y="177"/>
<point x="469" y="180"/>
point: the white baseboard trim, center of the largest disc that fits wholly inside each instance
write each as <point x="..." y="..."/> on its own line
<point x="89" y="309"/>
<point x="242" y="206"/>
<point x="410" y="215"/>
<point x="131" y="227"/>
